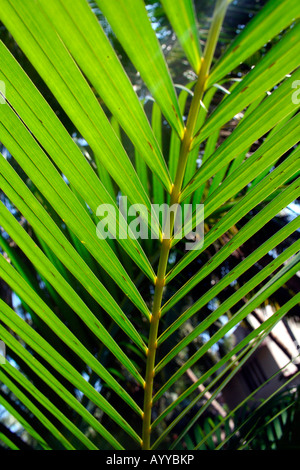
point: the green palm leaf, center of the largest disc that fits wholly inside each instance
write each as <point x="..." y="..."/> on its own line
<point x="148" y="59"/>
<point x="102" y="332"/>
<point x="182" y="17"/>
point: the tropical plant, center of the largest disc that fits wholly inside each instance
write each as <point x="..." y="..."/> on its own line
<point x="101" y="346"/>
<point x="270" y="426"/>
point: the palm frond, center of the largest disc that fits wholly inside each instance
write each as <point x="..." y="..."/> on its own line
<point x="104" y="332"/>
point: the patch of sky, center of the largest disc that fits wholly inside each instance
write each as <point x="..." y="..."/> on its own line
<point x="273" y="253"/>
<point x="79" y="140"/>
<point x="213" y="304"/>
<point x="291" y="211"/>
<point x="160" y="32"/>
<point x="172" y="258"/>
<point x="205" y="336"/>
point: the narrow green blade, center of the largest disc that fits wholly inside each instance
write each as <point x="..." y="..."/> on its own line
<point x="84" y="38"/>
<point x="280" y="61"/>
<point x="48" y="130"/>
<point x="24" y="422"/>
<point x="251" y="200"/>
<point x="230" y="277"/>
<point x="156" y="122"/>
<point x="45" y="402"/>
<point x="45" y="267"/>
<point x="262" y="159"/>
<point x="270" y="21"/>
<point x="271" y="111"/>
<point x="55" y="384"/>
<point x="41" y="221"/>
<point x="42" y="172"/>
<point x="129" y="21"/>
<point x="32" y="408"/>
<point x="182" y="17"/>
<point x="277" y="281"/>
<point x="57" y="68"/>
<point x="45" y="350"/>
<point x="230" y="302"/>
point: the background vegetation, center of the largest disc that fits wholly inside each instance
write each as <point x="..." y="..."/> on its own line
<point x="75" y="314"/>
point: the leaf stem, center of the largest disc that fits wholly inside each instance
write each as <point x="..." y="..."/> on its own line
<point x="219" y="13"/>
